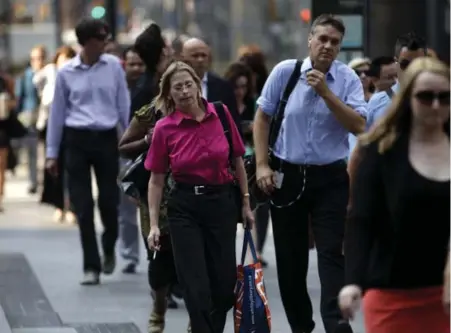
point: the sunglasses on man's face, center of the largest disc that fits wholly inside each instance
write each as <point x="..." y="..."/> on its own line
<point x="360" y="72"/>
<point x="102" y="37"/>
<point x="427" y="97"/>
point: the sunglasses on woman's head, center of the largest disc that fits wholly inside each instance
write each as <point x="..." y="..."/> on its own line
<point x="427" y="97"/>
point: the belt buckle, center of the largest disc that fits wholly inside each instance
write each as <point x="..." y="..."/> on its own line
<point x="198" y="189"/>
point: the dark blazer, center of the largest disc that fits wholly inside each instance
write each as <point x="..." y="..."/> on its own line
<point x="397" y="233"/>
<point x="219" y="89"/>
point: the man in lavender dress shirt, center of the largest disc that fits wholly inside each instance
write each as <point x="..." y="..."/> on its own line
<point x="91" y="104"/>
<point x="307" y="173"/>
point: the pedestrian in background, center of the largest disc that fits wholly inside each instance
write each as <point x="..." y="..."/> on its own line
<point x="54" y="189"/>
<point x="8" y="127"/>
<point x="128" y="213"/>
<point x="27" y="108"/>
<point x="91" y="103"/>
<point x="161" y="275"/>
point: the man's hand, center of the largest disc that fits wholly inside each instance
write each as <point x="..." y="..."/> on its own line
<point x="51" y="165"/>
<point x="266" y="179"/>
<point x="317" y="81"/>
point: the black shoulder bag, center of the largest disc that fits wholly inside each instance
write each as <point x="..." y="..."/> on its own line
<point x="219" y="107"/>
<point x="133" y="179"/>
<point x="276" y="124"/>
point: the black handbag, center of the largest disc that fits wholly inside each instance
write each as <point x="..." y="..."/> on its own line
<point x="276" y="123"/>
<point x="219" y="107"/>
<point x="134" y="178"/>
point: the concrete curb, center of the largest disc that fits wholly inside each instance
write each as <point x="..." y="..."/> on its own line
<point x="4" y="325"/>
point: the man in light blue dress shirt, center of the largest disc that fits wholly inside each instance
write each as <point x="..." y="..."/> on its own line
<point x="383" y="74"/>
<point x="307" y="175"/>
<point x="407" y="48"/>
<point x="91" y="104"/>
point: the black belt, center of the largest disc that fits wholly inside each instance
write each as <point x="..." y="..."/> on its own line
<point x="288" y="167"/>
<point x="203" y="189"/>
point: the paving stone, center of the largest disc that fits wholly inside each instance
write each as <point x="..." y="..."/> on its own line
<point x="106" y="328"/>
<point x="4" y="326"/>
<point x="45" y="330"/>
<point x="21" y="296"/>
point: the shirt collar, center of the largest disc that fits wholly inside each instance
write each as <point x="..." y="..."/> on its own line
<point x="180" y="116"/>
<point x="77" y="63"/>
<point x="205" y="78"/>
<point x="395" y="87"/>
<point x="307" y="65"/>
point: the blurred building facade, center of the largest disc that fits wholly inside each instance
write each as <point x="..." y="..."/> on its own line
<point x="275" y="25"/>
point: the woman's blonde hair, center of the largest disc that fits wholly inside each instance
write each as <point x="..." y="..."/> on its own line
<point x="163" y="100"/>
<point x="398" y="117"/>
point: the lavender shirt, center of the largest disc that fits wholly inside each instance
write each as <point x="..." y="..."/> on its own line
<point x="88" y="97"/>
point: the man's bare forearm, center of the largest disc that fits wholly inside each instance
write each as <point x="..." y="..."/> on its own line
<point x="261" y="134"/>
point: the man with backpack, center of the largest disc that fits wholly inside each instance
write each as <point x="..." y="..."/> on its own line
<point x="314" y="106"/>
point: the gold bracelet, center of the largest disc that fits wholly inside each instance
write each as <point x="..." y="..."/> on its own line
<point x="246" y="195"/>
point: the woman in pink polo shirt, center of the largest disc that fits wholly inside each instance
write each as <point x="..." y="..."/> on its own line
<point x="202" y="210"/>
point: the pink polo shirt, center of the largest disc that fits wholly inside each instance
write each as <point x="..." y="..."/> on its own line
<point x="196" y="152"/>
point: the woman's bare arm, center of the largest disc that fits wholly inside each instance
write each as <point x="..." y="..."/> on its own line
<point x="156" y="184"/>
<point x="134" y="141"/>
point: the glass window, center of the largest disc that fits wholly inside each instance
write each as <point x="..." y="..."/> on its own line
<point x="354" y="31"/>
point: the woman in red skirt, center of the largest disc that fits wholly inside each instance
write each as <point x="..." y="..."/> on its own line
<point x="397" y="237"/>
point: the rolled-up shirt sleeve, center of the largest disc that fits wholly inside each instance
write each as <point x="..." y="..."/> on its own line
<point x="157" y="159"/>
<point x="237" y="142"/>
<point x="57" y="117"/>
<point x="355" y="97"/>
<point x="271" y="92"/>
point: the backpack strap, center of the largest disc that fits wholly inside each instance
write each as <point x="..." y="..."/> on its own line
<point x="219" y="107"/>
<point x="278" y="118"/>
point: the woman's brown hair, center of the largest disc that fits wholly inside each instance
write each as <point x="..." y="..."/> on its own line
<point x="66" y="51"/>
<point x="162" y="101"/>
<point x="237" y="70"/>
<point x="398" y="117"/>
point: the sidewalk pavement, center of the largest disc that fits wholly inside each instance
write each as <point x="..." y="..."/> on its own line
<point x="40" y="267"/>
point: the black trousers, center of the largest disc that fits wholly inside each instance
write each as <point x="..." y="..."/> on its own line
<point x="203" y="232"/>
<point x="86" y="149"/>
<point x="325" y="199"/>
<point x="261" y="225"/>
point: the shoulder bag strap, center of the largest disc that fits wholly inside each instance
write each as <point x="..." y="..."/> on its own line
<point x="278" y="118"/>
<point x="389" y="92"/>
<point x="219" y="107"/>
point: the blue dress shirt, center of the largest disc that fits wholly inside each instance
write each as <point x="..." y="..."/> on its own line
<point x="310" y="133"/>
<point x="377" y="105"/>
<point x="88" y="97"/>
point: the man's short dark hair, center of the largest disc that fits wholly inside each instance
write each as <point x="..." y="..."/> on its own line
<point x="411" y="41"/>
<point x="128" y="49"/>
<point x="377" y="63"/>
<point x="89" y="28"/>
<point x="328" y="19"/>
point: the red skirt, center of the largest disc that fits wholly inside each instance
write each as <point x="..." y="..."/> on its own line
<point x="405" y="311"/>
